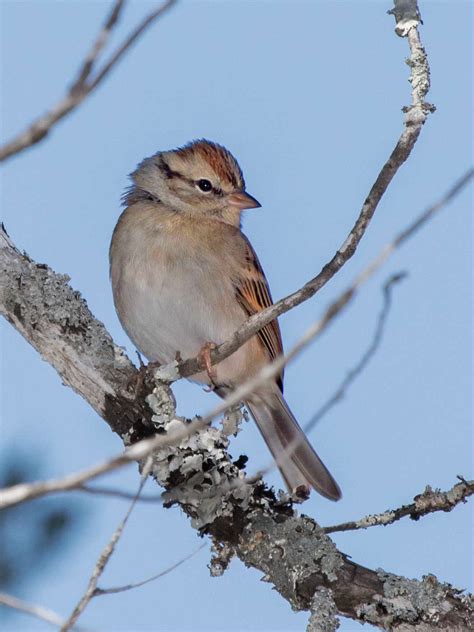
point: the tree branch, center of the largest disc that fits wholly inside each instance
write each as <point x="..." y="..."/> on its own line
<point x="40" y="612"/>
<point x="115" y="493"/>
<point x="85" y="83"/>
<point x="118" y="589"/>
<point x="415" y="117"/>
<point x="97" y="48"/>
<point x="56" y="321"/>
<point x="425" y="503"/>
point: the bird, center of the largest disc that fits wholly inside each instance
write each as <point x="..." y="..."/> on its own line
<point x="185" y="277"/>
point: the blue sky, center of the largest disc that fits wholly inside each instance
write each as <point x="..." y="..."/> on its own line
<point x="308" y="96"/>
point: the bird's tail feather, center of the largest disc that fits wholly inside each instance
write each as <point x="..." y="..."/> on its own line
<point x="297" y="461"/>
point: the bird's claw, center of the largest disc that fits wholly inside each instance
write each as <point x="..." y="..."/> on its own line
<point x="204" y="357"/>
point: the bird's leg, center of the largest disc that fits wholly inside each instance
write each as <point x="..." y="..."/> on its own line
<point x="204" y="357"/>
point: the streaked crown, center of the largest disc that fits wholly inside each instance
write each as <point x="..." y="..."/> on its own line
<point x="204" y="154"/>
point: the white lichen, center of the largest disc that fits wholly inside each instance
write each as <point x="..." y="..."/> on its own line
<point x="163" y="405"/>
<point x="222" y="553"/>
<point x="197" y="473"/>
<point x="232" y="420"/>
<point x="323" y="617"/>
<point x="408" y="600"/>
<point x="379" y="519"/>
<point x="167" y="373"/>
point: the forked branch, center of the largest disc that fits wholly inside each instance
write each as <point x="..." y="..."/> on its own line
<point x="86" y="81"/>
<point x="415" y="117"/>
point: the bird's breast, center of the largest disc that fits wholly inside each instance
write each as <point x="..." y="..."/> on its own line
<point x="173" y="291"/>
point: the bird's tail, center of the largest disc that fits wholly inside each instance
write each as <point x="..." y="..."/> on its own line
<point x="298" y="463"/>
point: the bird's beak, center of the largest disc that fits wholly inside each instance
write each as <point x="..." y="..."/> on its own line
<point x="243" y="200"/>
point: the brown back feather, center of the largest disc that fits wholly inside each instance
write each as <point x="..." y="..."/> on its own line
<point x="253" y="294"/>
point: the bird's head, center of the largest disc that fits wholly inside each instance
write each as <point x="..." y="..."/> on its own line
<point x="201" y="178"/>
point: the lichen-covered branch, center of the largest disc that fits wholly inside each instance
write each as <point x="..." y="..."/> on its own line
<point x="425" y="503"/>
<point x="56" y="321"/>
<point x="244" y="519"/>
<point x="86" y="81"/>
<point x="293" y="552"/>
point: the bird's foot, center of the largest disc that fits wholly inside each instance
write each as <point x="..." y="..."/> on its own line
<point x="301" y="493"/>
<point x="204" y="357"/>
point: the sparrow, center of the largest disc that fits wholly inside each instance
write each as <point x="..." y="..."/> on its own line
<point x="184" y="277"/>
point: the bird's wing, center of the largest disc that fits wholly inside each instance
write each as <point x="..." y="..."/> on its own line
<point x="253" y="294"/>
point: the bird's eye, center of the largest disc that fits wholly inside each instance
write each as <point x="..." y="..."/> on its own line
<point x="204" y="185"/>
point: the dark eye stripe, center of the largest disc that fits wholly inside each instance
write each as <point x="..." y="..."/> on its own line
<point x="169" y="173"/>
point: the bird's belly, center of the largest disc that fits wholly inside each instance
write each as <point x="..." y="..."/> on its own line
<point x="168" y="313"/>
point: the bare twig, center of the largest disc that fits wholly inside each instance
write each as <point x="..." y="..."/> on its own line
<point x="116" y="493"/>
<point x="130" y="40"/>
<point x="347" y="296"/>
<point x="105" y="556"/>
<point x="22" y="492"/>
<point x="40" y="612"/>
<point x="97" y="47"/>
<point x="271" y="370"/>
<point x="356" y="370"/>
<point x="111" y="591"/>
<point x="427" y="502"/>
<point x="85" y="83"/>
<point x="415" y="117"/>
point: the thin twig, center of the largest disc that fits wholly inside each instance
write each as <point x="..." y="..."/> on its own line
<point x="40" y="612"/>
<point x="427" y="502"/>
<point x="269" y="371"/>
<point x="96" y="490"/>
<point x="105" y="556"/>
<point x="111" y="591"/>
<point x="344" y="299"/>
<point x="27" y="491"/>
<point x="415" y="117"/>
<point x="85" y="83"/>
<point x="16" y="494"/>
<point x="371" y="350"/>
<point x="131" y="39"/>
<point x="97" y="47"/>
